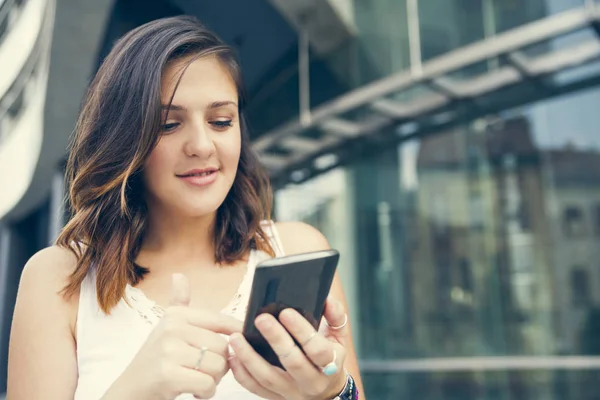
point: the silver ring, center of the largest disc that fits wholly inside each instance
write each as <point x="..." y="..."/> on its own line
<point x="337" y="328"/>
<point x="331" y="368"/>
<point x="203" y="350"/>
<point x="309" y="339"/>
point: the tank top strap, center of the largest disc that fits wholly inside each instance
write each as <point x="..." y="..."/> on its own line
<point x="239" y="303"/>
<point x="274" y="239"/>
<point x="256" y="257"/>
<point x="88" y="307"/>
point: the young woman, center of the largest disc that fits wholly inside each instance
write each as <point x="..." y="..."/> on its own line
<point x="144" y="295"/>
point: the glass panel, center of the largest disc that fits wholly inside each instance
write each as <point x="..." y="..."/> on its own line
<point x="576" y="74"/>
<point x="379" y="47"/>
<point x="509" y="14"/>
<point x="480" y="241"/>
<point x="446" y="25"/>
<point x="567" y="40"/>
<point x="489" y="385"/>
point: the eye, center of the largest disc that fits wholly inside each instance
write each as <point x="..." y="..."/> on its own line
<point x="222" y="124"/>
<point x="169" y="127"/>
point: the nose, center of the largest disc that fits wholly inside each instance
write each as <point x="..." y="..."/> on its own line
<point x="199" y="142"/>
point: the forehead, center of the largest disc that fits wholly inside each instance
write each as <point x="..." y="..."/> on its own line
<point x="204" y="79"/>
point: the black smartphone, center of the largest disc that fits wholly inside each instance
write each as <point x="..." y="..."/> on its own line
<point x="300" y="281"/>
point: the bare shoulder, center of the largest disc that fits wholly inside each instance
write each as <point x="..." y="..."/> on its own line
<point x="51" y="266"/>
<point x="42" y="359"/>
<point x="299" y="237"/>
<point x="46" y="274"/>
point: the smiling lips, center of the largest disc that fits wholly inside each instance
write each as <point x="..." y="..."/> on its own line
<point x="199" y="177"/>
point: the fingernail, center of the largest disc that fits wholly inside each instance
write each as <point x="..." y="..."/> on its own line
<point x="288" y="315"/>
<point x="234" y="341"/>
<point x="231" y="356"/>
<point x="263" y="322"/>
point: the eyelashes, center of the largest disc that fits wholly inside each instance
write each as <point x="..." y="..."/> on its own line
<point x="222" y="123"/>
<point x="219" y="125"/>
<point x="169" y="127"/>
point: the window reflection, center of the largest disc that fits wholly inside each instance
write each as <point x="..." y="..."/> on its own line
<point x="480" y="241"/>
<point x="580" y="287"/>
<point x="573" y="221"/>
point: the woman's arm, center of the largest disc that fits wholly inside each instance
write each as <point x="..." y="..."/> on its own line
<point x="42" y="362"/>
<point x="297" y="237"/>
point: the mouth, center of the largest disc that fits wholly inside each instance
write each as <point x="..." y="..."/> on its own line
<point x="203" y="172"/>
<point x="199" y="177"/>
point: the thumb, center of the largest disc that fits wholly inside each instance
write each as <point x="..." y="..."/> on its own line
<point x="336" y="319"/>
<point x="180" y="290"/>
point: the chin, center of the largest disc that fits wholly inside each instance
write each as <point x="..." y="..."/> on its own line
<point x="194" y="203"/>
<point x="198" y="210"/>
<point x="200" y="206"/>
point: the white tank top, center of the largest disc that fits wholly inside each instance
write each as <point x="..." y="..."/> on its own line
<point x="106" y="344"/>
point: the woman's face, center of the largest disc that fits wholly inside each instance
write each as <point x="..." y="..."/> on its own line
<point x="194" y="164"/>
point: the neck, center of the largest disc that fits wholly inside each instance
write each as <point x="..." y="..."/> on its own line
<point x="180" y="239"/>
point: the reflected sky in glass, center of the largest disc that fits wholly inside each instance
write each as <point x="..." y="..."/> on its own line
<point x="572" y="119"/>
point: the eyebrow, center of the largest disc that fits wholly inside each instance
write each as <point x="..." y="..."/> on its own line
<point x="213" y="105"/>
<point x="219" y="104"/>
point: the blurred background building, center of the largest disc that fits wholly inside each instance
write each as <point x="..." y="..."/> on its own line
<point x="448" y="148"/>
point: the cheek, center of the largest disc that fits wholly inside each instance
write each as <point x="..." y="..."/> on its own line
<point x="236" y="151"/>
<point x="156" y="165"/>
<point x="229" y="153"/>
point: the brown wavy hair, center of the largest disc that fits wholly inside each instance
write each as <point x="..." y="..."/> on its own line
<point x="118" y="127"/>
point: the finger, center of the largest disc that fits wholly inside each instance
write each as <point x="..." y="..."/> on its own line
<point x="216" y="322"/>
<point x="198" y="337"/>
<point x="317" y="348"/>
<point x="336" y="317"/>
<point x="208" y="362"/>
<point x="268" y="376"/>
<point x="198" y="383"/>
<point x="292" y="358"/>
<point x="279" y="339"/>
<point x="180" y="290"/>
<point x="246" y="379"/>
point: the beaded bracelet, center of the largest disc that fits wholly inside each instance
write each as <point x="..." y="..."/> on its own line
<point x="350" y="391"/>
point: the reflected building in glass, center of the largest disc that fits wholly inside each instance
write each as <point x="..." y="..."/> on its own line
<point x="473" y="247"/>
<point x="470" y="248"/>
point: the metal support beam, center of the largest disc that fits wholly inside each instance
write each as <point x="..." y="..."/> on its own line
<point x="304" y="74"/>
<point x="340" y="127"/>
<point x="297" y="144"/>
<point x="519" y="62"/>
<point x="404" y="110"/>
<point x="450" y="101"/>
<point x="414" y="38"/>
<point x="360" y="148"/>
<point x="504" y="43"/>
<point x="522" y="65"/>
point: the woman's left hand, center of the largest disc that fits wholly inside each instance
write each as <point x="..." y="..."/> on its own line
<point x="302" y="378"/>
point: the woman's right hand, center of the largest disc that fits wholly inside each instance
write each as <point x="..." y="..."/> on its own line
<point x="168" y="364"/>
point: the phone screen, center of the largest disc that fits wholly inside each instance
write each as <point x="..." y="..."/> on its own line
<point x="301" y="282"/>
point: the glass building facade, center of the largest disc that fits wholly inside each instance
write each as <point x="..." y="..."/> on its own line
<point x="475" y="248"/>
<point x="470" y="254"/>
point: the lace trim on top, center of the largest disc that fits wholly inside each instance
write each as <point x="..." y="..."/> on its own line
<point x="151" y="312"/>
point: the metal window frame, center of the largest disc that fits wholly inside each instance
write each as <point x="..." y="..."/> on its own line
<point x="347" y="134"/>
